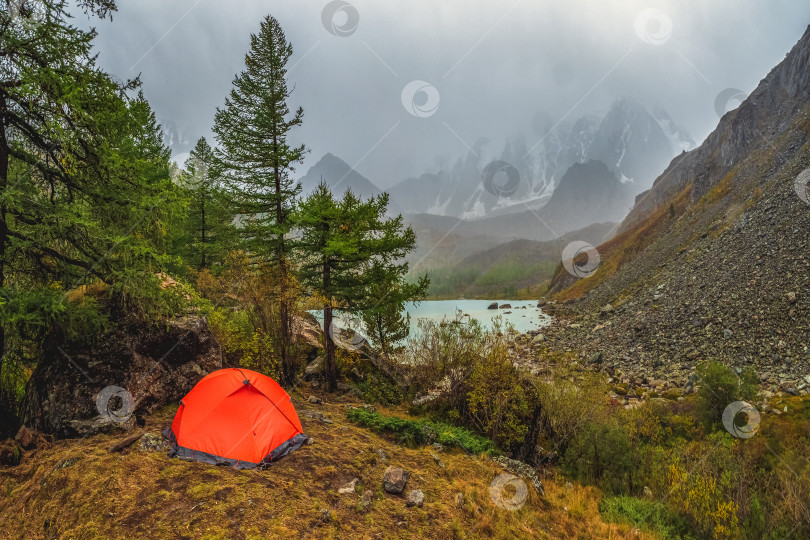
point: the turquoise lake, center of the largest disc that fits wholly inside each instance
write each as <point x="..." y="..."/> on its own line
<point x="524" y="315"/>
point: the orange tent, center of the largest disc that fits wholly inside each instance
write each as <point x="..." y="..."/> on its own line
<point x="235" y="417"/>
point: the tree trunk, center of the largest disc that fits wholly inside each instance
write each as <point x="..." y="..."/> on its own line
<point x="329" y="349"/>
<point x="202" y="231"/>
<point x="528" y="450"/>
<point x="329" y="342"/>
<point x="287" y="362"/>
<point x="6" y="401"/>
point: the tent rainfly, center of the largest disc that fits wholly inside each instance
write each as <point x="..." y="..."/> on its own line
<point x="235" y="417"/>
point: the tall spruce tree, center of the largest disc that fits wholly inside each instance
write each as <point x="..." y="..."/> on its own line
<point x="257" y="160"/>
<point x="345" y="246"/>
<point x="83" y="172"/>
<point x="209" y="218"/>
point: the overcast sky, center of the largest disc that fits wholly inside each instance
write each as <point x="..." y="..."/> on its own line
<point x="493" y="65"/>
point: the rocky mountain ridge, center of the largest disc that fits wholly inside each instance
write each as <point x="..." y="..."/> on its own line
<point x="712" y="263"/>
<point x="634" y="143"/>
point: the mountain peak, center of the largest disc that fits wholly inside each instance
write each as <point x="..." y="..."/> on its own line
<point x="339" y="176"/>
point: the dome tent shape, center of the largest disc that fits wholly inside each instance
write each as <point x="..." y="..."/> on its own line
<point x="235" y="417"/>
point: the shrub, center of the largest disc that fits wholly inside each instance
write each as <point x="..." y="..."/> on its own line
<point x="565" y="406"/>
<point x="470" y="377"/>
<point x="720" y="386"/>
<point x="377" y="388"/>
<point x="242" y="346"/>
<point x="600" y="454"/>
<point x="497" y="400"/>
<point x="417" y="432"/>
<point x="647" y="515"/>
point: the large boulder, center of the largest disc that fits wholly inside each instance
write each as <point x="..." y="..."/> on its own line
<point x="134" y="368"/>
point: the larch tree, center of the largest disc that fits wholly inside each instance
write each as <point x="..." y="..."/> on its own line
<point x="83" y="176"/>
<point x="346" y="247"/>
<point x="257" y="161"/>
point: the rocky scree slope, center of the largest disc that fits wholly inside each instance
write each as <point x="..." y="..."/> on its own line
<point x="723" y="272"/>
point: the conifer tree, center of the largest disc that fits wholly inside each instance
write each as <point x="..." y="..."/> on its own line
<point x="346" y="248"/>
<point x="83" y="175"/>
<point x="257" y="161"/>
<point x="209" y="218"/>
<point x="385" y="319"/>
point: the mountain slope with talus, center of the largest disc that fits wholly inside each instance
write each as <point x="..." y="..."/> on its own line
<point x="712" y="262"/>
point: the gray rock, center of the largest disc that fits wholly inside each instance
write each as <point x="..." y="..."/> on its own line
<point x="348" y="488"/>
<point x="154" y="365"/>
<point x="505" y="306"/>
<point x="521" y="469"/>
<point x="314" y="368"/>
<point x="429" y="434"/>
<point x="394" y="480"/>
<point x="416" y="498"/>
<point x="315" y="399"/>
<point x="153" y="442"/>
<point x="539" y="338"/>
<point x="365" y="500"/>
<point x="315" y="415"/>
<point x="596" y="358"/>
<point x="493" y="305"/>
<point x="381" y="455"/>
<point x="94" y="426"/>
<point x="437" y="459"/>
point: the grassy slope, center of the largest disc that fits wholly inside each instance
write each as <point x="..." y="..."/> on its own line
<point x="77" y="489"/>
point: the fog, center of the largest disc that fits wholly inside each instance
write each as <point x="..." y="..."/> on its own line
<point x="493" y="66"/>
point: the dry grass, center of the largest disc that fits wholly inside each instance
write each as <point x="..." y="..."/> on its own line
<point x="77" y="489"/>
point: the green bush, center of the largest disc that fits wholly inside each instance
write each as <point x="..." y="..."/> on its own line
<point x="600" y="454"/>
<point x="419" y="432"/>
<point x="720" y="386"/>
<point x="468" y="372"/>
<point x="377" y="388"/>
<point x="647" y="515"/>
